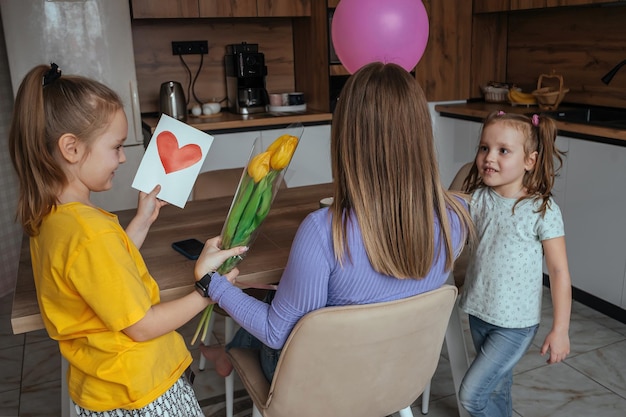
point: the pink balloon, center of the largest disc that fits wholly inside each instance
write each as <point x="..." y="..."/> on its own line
<point x="365" y="31"/>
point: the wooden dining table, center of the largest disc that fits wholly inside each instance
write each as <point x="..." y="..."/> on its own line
<point x="203" y="219"/>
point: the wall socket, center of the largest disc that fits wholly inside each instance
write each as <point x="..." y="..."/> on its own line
<point x="190" y="47"/>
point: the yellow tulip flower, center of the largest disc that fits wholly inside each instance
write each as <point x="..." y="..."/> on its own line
<point x="259" y="166"/>
<point x="279" y="141"/>
<point x="282" y="155"/>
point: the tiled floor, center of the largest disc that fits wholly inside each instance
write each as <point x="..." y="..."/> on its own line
<point x="591" y="382"/>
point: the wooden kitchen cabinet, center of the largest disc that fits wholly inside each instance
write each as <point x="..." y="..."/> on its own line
<point x="223" y="8"/>
<point x="280" y="8"/>
<point x="150" y="9"/>
<point x="557" y="3"/>
<point x="489" y="6"/>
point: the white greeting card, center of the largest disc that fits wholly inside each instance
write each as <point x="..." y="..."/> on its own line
<point x="173" y="159"/>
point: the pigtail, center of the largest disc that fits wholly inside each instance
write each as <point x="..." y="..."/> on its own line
<point x="540" y="180"/>
<point x="47" y="106"/>
<point x="38" y="172"/>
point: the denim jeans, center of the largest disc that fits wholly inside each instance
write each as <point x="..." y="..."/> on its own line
<point x="486" y="387"/>
<point x="267" y="356"/>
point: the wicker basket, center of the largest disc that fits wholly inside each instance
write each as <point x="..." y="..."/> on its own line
<point x="549" y="97"/>
<point x="495" y="94"/>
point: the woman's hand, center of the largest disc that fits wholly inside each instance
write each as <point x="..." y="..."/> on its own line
<point x="212" y="257"/>
<point x="148" y="208"/>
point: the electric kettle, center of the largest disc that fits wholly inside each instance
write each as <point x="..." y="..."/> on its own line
<point x="173" y="101"/>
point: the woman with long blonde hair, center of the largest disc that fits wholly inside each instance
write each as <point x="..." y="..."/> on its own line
<point x="392" y="231"/>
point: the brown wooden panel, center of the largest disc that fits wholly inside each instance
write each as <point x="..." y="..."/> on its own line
<point x="310" y="43"/>
<point x="155" y="63"/>
<point x="527" y="4"/>
<point x="443" y="71"/>
<point x="487" y="6"/>
<point x="288" y="8"/>
<point x="581" y="44"/>
<point x="164" y="9"/>
<point x="489" y="43"/>
<point x="556" y="3"/>
<point x="227" y="8"/>
<point x="333" y="3"/>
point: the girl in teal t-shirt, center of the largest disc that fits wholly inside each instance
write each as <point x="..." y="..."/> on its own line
<point x="517" y="222"/>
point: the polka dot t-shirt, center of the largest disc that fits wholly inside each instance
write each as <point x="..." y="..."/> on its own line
<point x="503" y="284"/>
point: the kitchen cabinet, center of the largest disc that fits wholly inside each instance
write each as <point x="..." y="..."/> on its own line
<point x="142" y="9"/>
<point x="150" y="9"/>
<point x="490" y="6"/>
<point x="557" y="3"/>
<point x="455" y="142"/>
<point x="240" y="8"/>
<point x="310" y="163"/>
<point x="279" y="8"/>
<point x="595" y="197"/>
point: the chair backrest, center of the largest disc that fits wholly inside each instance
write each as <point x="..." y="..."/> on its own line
<point x="460" y="265"/>
<point x="362" y="360"/>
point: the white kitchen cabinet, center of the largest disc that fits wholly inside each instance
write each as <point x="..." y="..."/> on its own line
<point x="310" y="164"/>
<point x="455" y="141"/>
<point x="595" y="197"/>
<point x="229" y="150"/>
<point x="559" y="188"/>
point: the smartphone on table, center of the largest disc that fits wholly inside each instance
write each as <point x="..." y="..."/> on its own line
<point x="190" y="248"/>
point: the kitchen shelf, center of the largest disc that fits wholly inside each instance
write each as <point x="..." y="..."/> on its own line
<point x="337" y="69"/>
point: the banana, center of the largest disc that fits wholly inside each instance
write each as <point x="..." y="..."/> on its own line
<point x="518" y="97"/>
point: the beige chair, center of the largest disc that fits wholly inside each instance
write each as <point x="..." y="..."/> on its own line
<point x="359" y="360"/>
<point x="460" y="265"/>
<point x="459" y="178"/>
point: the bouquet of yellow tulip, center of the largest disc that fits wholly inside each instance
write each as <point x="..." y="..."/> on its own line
<point x="256" y="191"/>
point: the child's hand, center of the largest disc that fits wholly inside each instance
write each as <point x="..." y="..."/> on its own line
<point x="149" y="206"/>
<point x="558" y="344"/>
<point x="148" y="209"/>
<point x="212" y="257"/>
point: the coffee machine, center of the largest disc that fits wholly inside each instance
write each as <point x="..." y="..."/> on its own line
<point x="245" y="78"/>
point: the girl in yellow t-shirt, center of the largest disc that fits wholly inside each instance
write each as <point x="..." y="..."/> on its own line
<point x="96" y="296"/>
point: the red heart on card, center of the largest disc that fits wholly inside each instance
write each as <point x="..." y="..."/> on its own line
<point x="173" y="157"/>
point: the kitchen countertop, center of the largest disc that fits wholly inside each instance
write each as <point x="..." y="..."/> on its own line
<point x="227" y="121"/>
<point x="478" y="110"/>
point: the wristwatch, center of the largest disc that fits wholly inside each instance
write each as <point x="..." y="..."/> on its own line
<point x="202" y="285"/>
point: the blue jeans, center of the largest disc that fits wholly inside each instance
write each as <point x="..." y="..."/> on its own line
<point x="486" y="387"/>
<point x="267" y="356"/>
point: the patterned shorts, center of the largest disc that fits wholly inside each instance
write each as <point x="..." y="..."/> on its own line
<point x="178" y="401"/>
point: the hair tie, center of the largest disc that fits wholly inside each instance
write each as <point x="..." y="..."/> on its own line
<point x="535" y="120"/>
<point x="53" y="74"/>
<point x="500" y="113"/>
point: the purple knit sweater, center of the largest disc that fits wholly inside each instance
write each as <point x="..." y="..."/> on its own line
<point x="314" y="279"/>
